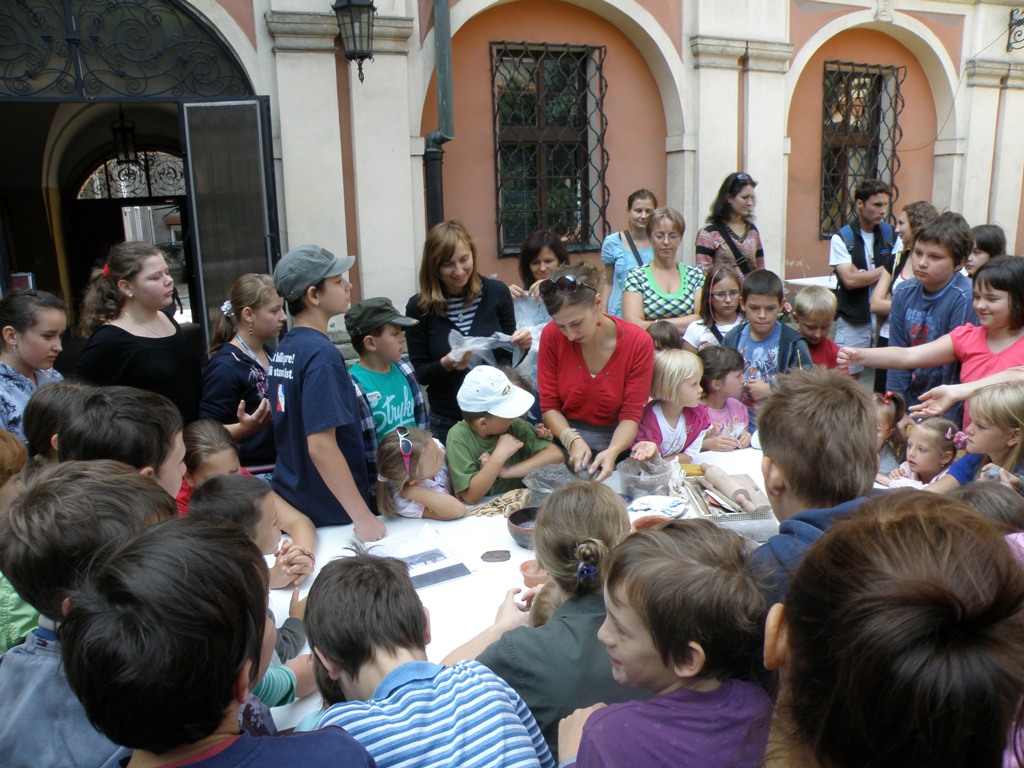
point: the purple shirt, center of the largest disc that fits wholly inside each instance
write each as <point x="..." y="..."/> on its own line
<point x="723" y="728"/>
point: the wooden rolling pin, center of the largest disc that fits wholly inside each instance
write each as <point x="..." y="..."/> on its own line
<point x="729" y="487"/>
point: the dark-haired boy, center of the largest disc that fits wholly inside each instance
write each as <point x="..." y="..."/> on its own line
<point x="368" y="629"/>
<point x="769" y="348"/>
<point x="817" y="434"/>
<point x="185" y="586"/>
<point x="861" y="252"/>
<point x="937" y="300"/>
<point x="685" y="619"/>
<point x="68" y="513"/>
<point x="385" y="382"/>
<point x="321" y="465"/>
<point x="139" y="428"/>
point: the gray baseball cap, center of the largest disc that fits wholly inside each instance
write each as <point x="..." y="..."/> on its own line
<point x="307" y="265"/>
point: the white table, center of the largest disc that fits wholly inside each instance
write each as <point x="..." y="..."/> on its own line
<point x="828" y="281"/>
<point x="462" y="608"/>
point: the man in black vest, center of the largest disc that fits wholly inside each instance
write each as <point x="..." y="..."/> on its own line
<point x="860" y="252"/>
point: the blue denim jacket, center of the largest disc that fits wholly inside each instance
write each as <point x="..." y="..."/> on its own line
<point x="41" y="720"/>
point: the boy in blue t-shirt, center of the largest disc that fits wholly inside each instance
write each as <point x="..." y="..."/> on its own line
<point x="320" y="467"/>
<point x="385" y="382"/>
<point x="768" y="347"/>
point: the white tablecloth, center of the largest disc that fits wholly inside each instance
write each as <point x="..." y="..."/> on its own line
<point x="464" y="607"/>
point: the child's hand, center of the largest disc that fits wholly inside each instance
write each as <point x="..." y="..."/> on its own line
<point x="847" y="356"/>
<point x="643" y="451"/>
<point x="522" y="338"/>
<point x="297" y="606"/>
<point x="882" y="479"/>
<point x="251" y="423"/>
<point x="570" y="731"/>
<point x="483" y="458"/>
<point x="758" y="390"/>
<point x="526" y="599"/>
<point x="1006" y="478"/>
<point x="506" y="447"/>
<point x="451" y="363"/>
<point x="744" y="440"/>
<point x="369" y="529"/>
<point x="722" y="443"/>
<point x="511" y="614"/>
<point x="294" y="561"/>
<point x="896" y="474"/>
<point x="543" y="432"/>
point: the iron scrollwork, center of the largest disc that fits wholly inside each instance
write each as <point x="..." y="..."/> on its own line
<point x="113" y="50"/>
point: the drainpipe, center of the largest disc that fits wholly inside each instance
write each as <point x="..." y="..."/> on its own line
<point x="433" y="154"/>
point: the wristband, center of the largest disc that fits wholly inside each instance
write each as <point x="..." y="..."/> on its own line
<point x="568" y="436"/>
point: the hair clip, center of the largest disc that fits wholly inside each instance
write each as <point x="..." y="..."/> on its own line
<point x="226" y="309"/>
<point x="960" y="441"/>
<point x="381" y="478"/>
<point x="106" y="270"/>
<point x="887" y="397"/>
<point x="588" y="572"/>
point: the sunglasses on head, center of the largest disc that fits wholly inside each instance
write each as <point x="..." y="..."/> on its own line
<point x="566" y="285"/>
<point x="405" y="446"/>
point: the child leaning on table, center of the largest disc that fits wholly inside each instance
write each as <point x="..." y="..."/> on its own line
<point x="685" y="618"/>
<point x="369" y="630"/>
<point x="248" y="502"/>
<point x="210" y="452"/>
<point x="412" y="477"/>
<point x="174" y="698"/>
<point x="675" y="421"/>
<point x="492" y="449"/>
<point x="62" y="522"/>
<point x="722" y="383"/>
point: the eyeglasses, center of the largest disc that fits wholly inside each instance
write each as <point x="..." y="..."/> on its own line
<point x="723" y="295"/>
<point x="671" y="237"/>
<point x="405" y="446"/>
<point x="566" y="285"/>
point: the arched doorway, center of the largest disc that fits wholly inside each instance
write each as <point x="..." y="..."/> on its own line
<point x="73" y="75"/>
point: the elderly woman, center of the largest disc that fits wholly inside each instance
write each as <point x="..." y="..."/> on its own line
<point x="593" y="372"/>
<point x="729" y="239"/>
<point x="665" y="289"/>
<point x="453" y="296"/>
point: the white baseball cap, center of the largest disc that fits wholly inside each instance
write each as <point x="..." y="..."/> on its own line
<point x="488" y="390"/>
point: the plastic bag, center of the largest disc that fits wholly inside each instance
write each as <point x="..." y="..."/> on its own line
<point x="483" y="347"/>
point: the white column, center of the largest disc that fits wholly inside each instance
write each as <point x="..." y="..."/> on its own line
<point x="384" y="178"/>
<point x="983" y="82"/>
<point x="764" y="143"/>
<point x="307" y="105"/>
<point x="1004" y="206"/>
<point x="718" y="62"/>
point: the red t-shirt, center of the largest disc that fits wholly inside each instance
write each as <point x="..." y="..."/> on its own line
<point x="618" y="393"/>
<point x="825" y="353"/>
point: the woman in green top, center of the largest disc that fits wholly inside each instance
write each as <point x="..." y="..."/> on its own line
<point x="665" y="289"/>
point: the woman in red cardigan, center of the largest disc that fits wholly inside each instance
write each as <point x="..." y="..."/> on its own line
<point x="593" y="371"/>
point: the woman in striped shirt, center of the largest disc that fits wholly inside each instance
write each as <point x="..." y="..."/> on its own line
<point x="453" y="295"/>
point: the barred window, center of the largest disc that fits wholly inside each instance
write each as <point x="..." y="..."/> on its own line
<point x="860" y="135"/>
<point x="549" y="155"/>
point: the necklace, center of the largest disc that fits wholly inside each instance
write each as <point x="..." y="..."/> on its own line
<point x="155" y="334"/>
<point x="250" y="353"/>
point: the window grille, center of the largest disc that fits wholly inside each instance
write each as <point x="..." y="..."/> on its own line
<point x="549" y="155"/>
<point x="157" y="174"/>
<point x="860" y="135"/>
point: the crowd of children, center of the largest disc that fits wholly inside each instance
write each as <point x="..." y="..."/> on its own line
<point x="138" y="629"/>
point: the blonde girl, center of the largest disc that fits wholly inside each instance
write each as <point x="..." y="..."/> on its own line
<point x="210" y="452"/>
<point x="235" y="379"/>
<point x="719" y="309"/>
<point x="675" y="421"/>
<point x="412" y="478"/>
<point x="993" y="439"/>
<point x="890" y="409"/>
<point x="931" y="448"/>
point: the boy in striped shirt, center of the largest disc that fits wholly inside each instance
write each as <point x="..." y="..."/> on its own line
<point x="368" y="631"/>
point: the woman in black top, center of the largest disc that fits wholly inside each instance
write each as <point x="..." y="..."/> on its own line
<point x="131" y="342"/>
<point x="453" y="296"/>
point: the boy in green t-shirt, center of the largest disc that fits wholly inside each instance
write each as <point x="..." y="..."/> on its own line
<point x="389" y="395"/>
<point x="492" y="448"/>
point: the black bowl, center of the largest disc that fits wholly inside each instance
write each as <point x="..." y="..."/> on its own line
<point x="520" y="525"/>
